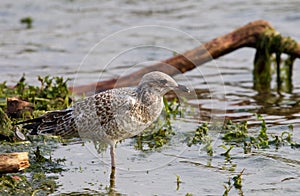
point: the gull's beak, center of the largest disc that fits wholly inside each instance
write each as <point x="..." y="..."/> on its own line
<point x="182" y="88"/>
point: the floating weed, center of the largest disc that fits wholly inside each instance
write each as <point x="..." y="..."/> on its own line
<point x="237" y="134"/>
<point x="247" y="147"/>
<point x="201" y="137"/>
<point x="27" y="21"/>
<point x="163" y="130"/>
<point x="33" y="180"/>
<point x="150" y="140"/>
<point x="295" y="145"/>
<point x="262" y="138"/>
<point x="172" y="108"/>
<point x="228" y="165"/>
<point x="178" y="182"/>
<point x="236" y="182"/>
<point x="38" y="156"/>
<point x="226" y="154"/>
<point x="228" y="186"/>
<point x="200" y="133"/>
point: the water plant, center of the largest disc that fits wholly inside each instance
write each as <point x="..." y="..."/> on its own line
<point x="236" y="182"/>
<point x="271" y="43"/>
<point x="238" y="134"/>
<point x="27" y="21"/>
<point x="178" y="182"/>
<point x="161" y="132"/>
<point x="51" y="94"/>
<point x="201" y="137"/>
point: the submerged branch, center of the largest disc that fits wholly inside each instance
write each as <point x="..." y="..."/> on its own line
<point x="246" y="36"/>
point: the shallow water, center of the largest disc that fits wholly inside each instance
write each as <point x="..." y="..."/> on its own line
<point x="91" y="41"/>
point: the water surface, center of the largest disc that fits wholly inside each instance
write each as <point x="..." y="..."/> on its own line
<point x="64" y="32"/>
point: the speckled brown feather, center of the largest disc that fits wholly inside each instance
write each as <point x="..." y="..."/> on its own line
<point x="111" y="115"/>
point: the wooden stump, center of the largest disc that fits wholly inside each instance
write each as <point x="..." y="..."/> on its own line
<point x="17" y="107"/>
<point x="13" y="162"/>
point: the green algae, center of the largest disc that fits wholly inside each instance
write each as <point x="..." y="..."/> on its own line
<point x="270" y="44"/>
<point x="27" y="21"/>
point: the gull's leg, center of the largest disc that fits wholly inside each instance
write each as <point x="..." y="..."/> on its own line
<point x="113" y="168"/>
<point x="112" y="181"/>
<point x="112" y="156"/>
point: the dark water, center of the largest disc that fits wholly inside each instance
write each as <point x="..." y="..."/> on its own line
<point x="95" y="40"/>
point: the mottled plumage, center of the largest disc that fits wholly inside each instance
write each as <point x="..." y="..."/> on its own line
<point x="111" y="115"/>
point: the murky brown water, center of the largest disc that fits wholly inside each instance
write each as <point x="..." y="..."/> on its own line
<point x="65" y="32"/>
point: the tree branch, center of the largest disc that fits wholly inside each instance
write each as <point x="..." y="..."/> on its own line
<point x="246" y="36"/>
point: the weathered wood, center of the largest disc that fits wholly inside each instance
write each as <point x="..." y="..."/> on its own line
<point x="13" y="162"/>
<point x="246" y="36"/>
<point x="16" y="107"/>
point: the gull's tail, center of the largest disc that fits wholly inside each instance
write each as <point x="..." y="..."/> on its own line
<point x="60" y="122"/>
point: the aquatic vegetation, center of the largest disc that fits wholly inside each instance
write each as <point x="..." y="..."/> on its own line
<point x="161" y="132"/>
<point x="236" y="182"/>
<point x="36" y="178"/>
<point x="17" y="184"/>
<point x="201" y="137"/>
<point x="52" y="94"/>
<point x="273" y="43"/>
<point x="6" y="127"/>
<point x="27" y="21"/>
<point x="235" y="132"/>
<point x="238" y="134"/>
<point x="226" y="153"/>
<point x="178" y="182"/>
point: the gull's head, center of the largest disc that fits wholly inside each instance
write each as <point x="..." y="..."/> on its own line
<point x="160" y="83"/>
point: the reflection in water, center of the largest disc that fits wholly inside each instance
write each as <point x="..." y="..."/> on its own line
<point x="277" y="104"/>
<point x="101" y="147"/>
<point x="112" y="181"/>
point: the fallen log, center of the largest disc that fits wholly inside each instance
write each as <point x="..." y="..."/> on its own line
<point x="17" y="107"/>
<point x="13" y="162"/>
<point x="246" y="36"/>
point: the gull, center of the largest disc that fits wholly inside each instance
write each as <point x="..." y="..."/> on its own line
<point x="109" y="116"/>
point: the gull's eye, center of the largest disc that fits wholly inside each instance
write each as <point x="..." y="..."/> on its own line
<point x="164" y="81"/>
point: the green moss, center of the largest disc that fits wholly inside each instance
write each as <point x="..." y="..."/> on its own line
<point x="272" y="43"/>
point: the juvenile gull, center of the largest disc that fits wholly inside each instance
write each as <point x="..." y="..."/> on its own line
<point x="112" y="115"/>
